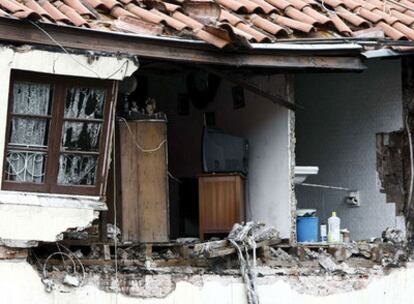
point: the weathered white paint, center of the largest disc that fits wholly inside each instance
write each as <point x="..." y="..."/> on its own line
<point x="21" y="284"/>
<point x="52" y="200"/>
<point x="31" y="218"/>
<point x="22" y="223"/>
<point x="264" y="124"/>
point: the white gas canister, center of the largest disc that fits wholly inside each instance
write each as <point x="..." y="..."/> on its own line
<point x="334" y="229"/>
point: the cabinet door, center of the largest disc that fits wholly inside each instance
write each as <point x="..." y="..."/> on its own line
<point x="219" y="205"/>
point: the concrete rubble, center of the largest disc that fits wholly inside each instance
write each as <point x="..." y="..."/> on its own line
<point x="252" y="253"/>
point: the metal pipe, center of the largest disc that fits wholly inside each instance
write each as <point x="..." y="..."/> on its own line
<point x="325" y="187"/>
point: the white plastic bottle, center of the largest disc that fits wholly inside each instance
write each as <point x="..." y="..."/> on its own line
<point x="334" y="227"/>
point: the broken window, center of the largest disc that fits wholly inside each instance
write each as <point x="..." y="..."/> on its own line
<point x="56" y="130"/>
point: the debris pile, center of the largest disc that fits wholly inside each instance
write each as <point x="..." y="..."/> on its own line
<point x="247" y="236"/>
<point x="253" y="251"/>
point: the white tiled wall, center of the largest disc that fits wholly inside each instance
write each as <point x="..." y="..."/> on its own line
<point x="336" y="132"/>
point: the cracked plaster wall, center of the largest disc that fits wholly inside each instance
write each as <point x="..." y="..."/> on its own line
<point x="44" y="223"/>
<point x="16" y="276"/>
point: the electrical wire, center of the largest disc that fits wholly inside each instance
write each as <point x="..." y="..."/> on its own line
<point x="159" y="146"/>
<point x="410" y="144"/>
<point x="115" y="218"/>
<point x="76" y="60"/>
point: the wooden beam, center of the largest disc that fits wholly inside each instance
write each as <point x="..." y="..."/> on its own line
<point x="18" y="31"/>
<point x="252" y="87"/>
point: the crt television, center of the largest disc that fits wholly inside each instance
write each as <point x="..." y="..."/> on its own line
<point x="223" y="152"/>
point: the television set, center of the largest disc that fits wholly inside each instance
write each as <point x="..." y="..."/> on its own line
<point x="223" y="152"/>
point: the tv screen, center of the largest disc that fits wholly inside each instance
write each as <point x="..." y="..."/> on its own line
<point x="223" y="152"/>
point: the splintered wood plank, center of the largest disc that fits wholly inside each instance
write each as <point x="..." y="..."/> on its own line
<point x="144" y="182"/>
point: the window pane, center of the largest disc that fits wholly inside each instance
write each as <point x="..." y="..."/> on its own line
<point x="29" y="132"/>
<point x="84" y="103"/>
<point x="77" y="169"/>
<point x="81" y="136"/>
<point x="24" y="166"/>
<point x="31" y="98"/>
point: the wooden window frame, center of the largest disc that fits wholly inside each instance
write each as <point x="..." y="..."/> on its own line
<point x="60" y="85"/>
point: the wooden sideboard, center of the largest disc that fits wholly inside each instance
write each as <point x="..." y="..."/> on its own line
<point x="221" y="202"/>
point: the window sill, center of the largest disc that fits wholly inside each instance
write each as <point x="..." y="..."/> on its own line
<point x="52" y="200"/>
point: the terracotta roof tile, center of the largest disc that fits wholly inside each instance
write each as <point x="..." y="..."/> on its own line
<point x="351" y="4"/>
<point x="78" y="7"/>
<point x="299" y="4"/>
<point x="298" y="15"/>
<point x="320" y="18"/>
<point x="226" y="23"/>
<point x="251" y="6"/>
<point x="407" y="3"/>
<point x="409" y="13"/>
<point x="210" y="38"/>
<point x="236" y="31"/>
<point x="229" y="17"/>
<point x="387" y="17"/>
<point x="333" y="3"/>
<point x="351" y="18"/>
<point x="53" y="11"/>
<point x="233" y="5"/>
<point x="340" y="25"/>
<point x="73" y="16"/>
<point x="205" y="12"/>
<point x="174" y="23"/>
<point x="11" y="6"/>
<point x="119" y="11"/>
<point x="268" y="26"/>
<point x="267" y="8"/>
<point x="143" y="13"/>
<point x="408" y="20"/>
<point x="194" y="24"/>
<point x="97" y="4"/>
<point x="133" y="25"/>
<point x="391" y="32"/>
<point x="312" y="3"/>
<point x="37" y="8"/>
<point x="258" y="36"/>
<point x="110" y="4"/>
<point x="368" y="15"/>
<point x="280" y="4"/>
<point x="19" y="11"/>
<point x="404" y="29"/>
<point x="294" y="24"/>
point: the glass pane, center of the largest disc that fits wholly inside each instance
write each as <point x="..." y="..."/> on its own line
<point x="77" y="169"/>
<point x="31" y="98"/>
<point x="22" y="166"/>
<point x="29" y="132"/>
<point x="82" y="136"/>
<point x="84" y="103"/>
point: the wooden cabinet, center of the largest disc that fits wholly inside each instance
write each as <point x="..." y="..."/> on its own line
<point x="143" y="181"/>
<point x="221" y="202"/>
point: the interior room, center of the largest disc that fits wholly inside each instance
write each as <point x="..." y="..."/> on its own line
<point x="258" y="132"/>
<point x="337" y="132"/>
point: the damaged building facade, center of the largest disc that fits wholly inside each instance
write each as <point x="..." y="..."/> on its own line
<point x="163" y="151"/>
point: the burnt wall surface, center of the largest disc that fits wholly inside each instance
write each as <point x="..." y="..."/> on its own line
<point x="337" y="131"/>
